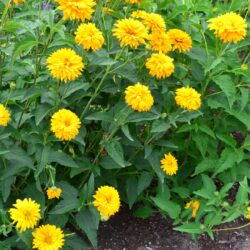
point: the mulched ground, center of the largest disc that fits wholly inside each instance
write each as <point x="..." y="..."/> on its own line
<point x="124" y="232"/>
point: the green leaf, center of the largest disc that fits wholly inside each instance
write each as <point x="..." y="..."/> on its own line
<point x="62" y="158"/>
<point x="168" y="206"/>
<point x="154" y="160"/>
<point x="208" y="188"/>
<point x="144" y="181"/>
<point x="143" y="212"/>
<point x="76" y="242"/>
<point x="88" y="221"/>
<point x="159" y="126"/>
<point x="131" y="186"/>
<point x="142" y="116"/>
<point x="241" y="116"/>
<point x="66" y="206"/>
<point x="242" y="194"/>
<point x="205" y="165"/>
<point x="192" y="228"/>
<point x="227" y="85"/>
<point x="100" y="116"/>
<point x="226" y="139"/>
<point x="126" y="132"/>
<point x="26" y="237"/>
<point x="115" y="151"/>
<point x="42" y="111"/>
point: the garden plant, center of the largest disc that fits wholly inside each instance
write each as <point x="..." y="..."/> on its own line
<point x="111" y="103"/>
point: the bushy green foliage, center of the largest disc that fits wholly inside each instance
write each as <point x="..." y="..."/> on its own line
<point x="116" y="145"/>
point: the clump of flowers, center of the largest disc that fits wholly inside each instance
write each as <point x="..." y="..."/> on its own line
<point x="130" y="32"/>
<point x="154" y="21"/>
<point x="48" y="237"/>
<point x="107" y="201"/>
<point x="19" y="1"/>
<point x="160" y="41"/>
<point x="54" y="192"/>
<point x="169" y="164"/>
<point x="188" y="98"/>
<point x="139" y="97"/>
<point x="195" y="204"/>
<point x="133" y="1"/>
<point x="180" y="40"/>
<point x="160" y="65"/>
<point x="65" y="124"/>
<point x="141" y="14"/>
<point x="65" y="64"/>
<point x="230" y="27"/>
<point x="25" y="214"/>
<point x="4" y="116"/>
<point x="77" y="9"/>
<point x="89" y="36"/>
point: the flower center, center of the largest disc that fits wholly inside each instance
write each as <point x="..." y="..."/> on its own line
<point x="48" y="239"/>
<point x="67" y="123"/>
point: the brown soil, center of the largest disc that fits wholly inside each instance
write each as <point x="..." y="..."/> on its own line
<point x="124" y="232"/>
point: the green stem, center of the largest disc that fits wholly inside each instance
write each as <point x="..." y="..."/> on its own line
<point x="231" y="228"/>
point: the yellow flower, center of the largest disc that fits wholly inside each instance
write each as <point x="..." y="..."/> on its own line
<point x="130" y="32"/>
<point x="160" y="41"/>
<point x="160" y="65"/>
<point x="229" y="27"/>
<point x="155" y="22"/>
<point x="248" y="213"/>
<point x="65" y="64"/>
<point x="141" y="14"/>
<point x="195" y="204"/>
<point x="180" y="40"/>
<point x="26" y="214"/>
<point x="19" y="1"/>
<point x="169" y="164"/>
<point x="244" y="66"/>
<point x="107" y="201"/>
<point x="48" y="237"/>
<point x="76" y="9"/>
<point x="65" y="124"/>
<point x="107" y="10"/>
<point x="54" y="192"/>
<point x="133" y="1"/>
<point x="188" y="98"/>
<point x="4" y="116"/>
<point x="89" y="36"/>
<point x="139" y="97"/>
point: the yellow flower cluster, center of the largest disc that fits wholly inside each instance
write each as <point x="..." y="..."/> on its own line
<point x="179" y="40"/>
<point x="188" y="98"/>
<point x="139" y="97"/>
<point x="89" y="36"/>
<point x="133" y="1"/>
<point x="107" y="201"/>
<point x="64" y="64"/>
<point x="229" y="27"/>
<point x="130" y="32"/>
<point x="48" y="237"/>
<point x="160" y="65"/>
<point x="77" y="9"/>
<point x="65" y="124"/>
<point x="195" y="204"/>
<point x="26" y="214"/>
<point x="54" y="192"/>
<point x="4" y="116"/>
<point x="19" y="1"/>
<point x="169" y="164"/>
<point x="248" y="213"/>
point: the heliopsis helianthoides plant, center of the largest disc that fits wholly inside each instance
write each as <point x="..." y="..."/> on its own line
<point x="160" y="65"/>
<point x="229" y="27"/>
<point x="65" y="124"/>
<point x="169" y="164"/>
<point x="4" y="116"/>
<point x="188" y="98"/>
<point x="48" y="237"/>
<point x="77" y="9"/>
<point x="89" y="36"/>
<point x="139" y="97"/>
<point x="130" y="32"/>
<point x="195" y="206"/>
<point x="54" y="192"/>
<point x="64" y="64"/>
<point x="25" y="214"/>
<point x="116" y="104"/>
<point x="107" y="201"/>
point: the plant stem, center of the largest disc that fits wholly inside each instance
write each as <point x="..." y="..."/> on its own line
<point x="231" y="228"/>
